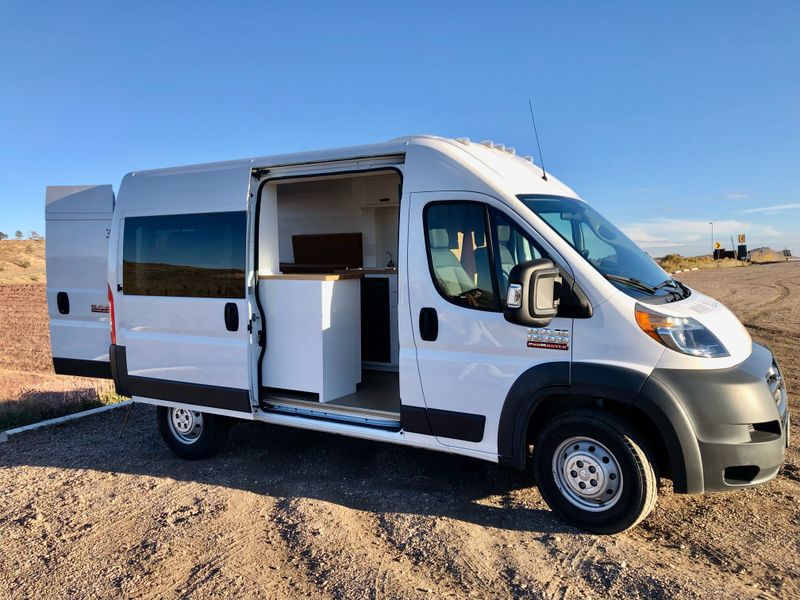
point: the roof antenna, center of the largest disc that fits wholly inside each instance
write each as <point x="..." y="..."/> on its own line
<point x="536" y="133"/>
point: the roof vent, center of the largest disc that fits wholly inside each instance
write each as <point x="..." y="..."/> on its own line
<point x="488" y="143"/>
<point x="511" y="151"/>
<point x="463" y="140"/>
<point x="500" y="146"/>
<point x="529" y="158"/>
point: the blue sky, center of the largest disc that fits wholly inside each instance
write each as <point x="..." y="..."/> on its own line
<point x="664" y="115"/>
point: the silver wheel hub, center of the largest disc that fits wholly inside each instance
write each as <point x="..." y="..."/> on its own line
<point x="186" y="425"/>
<point x="587" y="474"/>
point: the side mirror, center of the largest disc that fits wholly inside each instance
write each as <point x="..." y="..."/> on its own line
<point x="531" y="298"/>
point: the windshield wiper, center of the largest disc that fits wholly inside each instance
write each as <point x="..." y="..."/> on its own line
<point x="667" y="283"/>
<point x="681" y="290"/>
<point x="630" y="281"/>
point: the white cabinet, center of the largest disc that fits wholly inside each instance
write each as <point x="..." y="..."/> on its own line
<point x="313" y="325"/>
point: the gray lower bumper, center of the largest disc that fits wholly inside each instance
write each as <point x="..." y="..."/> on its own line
<point x="739" y="417"/>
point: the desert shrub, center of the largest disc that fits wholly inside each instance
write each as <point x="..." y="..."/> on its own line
<point x="34" y="278"/>
<point x="675" y="262"/>
<point x="766" y="255"/>
<point x="29" y="248"/>
<point x="23" y="263"/>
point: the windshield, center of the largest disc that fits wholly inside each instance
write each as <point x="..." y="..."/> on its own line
<point x="605" y="247"/>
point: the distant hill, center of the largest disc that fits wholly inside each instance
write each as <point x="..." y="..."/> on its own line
<point x="22" y="261"/>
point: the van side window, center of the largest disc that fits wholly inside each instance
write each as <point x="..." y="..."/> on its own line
<point x="458" y="253"/>
<point x="511" y="247"/>
<point x="191" y="255"/>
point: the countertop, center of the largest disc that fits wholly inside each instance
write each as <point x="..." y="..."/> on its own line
<point x="313" y="276"/>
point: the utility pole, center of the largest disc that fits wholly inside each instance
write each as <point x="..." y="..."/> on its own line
<point x="712" y="238"/>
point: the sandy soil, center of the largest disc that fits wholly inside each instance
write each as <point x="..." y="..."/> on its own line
<point x="285" y="513"/>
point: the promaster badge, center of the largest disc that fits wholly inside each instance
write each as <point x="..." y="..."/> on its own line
<point x="552" y="339"/>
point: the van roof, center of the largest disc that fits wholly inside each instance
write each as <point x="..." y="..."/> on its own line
<point x="468" y="165"/>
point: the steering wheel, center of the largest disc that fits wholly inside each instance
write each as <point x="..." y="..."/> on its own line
<point x="474" y="296"/>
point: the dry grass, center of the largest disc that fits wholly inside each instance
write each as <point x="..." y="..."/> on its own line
<point x="21" y="261"/>
<point x="42" y="402"/>
<point x="29" y="389"/>
<point x="675" y="262"/>
<point x="766" y="255"/>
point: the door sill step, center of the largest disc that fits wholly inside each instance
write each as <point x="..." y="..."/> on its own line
<point x="331" y="412"/>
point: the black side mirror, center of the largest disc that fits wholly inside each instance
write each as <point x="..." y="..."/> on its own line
<point x="531" y="298"/>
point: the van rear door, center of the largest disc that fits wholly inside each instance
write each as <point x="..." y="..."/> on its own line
<point x="77" y="231"/>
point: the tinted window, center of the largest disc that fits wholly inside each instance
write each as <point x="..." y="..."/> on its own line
<point x="458" y="253"/>
<point x="197" y="255"/>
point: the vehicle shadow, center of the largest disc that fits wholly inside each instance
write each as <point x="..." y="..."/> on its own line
<point x="283" y="462"/>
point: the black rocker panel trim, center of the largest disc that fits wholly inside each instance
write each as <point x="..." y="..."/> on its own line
<point x="119" y="369"/>
<point x="414" y="419"/>
<point x="456" y="425"/>
<point x="443" y="423"/>
<point x="82" y="368"/>
<point x="211" y="396"/>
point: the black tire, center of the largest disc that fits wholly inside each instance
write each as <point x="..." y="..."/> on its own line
<point x="625" y="488"/>
<point x="205" y="440"/>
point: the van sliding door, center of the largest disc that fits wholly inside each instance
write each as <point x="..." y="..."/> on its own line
<point x="182" y="308"/>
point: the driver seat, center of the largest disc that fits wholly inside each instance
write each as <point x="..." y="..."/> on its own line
<point x="505" y="258"/>
<point x="450" y="273"/>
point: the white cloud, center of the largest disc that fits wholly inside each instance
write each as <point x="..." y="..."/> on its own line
<point x="673" y="233"/>
<point x="770" y="210"/>
<point x="736" y="196"/>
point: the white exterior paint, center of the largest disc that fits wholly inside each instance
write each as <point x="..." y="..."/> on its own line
<point x="78" y="227"/>
<point x="478" y="355"/>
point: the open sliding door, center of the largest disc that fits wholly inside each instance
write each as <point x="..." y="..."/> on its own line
<point x="180" y="291"/>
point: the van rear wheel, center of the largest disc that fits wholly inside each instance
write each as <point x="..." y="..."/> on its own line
<point x="191" y="434"/>
<point x="592" y="472"/>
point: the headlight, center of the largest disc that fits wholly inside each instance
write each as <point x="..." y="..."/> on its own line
<point x="682" y="334"/>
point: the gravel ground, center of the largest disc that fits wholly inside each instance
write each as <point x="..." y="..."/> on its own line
<point x="85" y="512"/>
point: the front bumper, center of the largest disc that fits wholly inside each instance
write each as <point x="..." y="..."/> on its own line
<point x="740" y="418"/>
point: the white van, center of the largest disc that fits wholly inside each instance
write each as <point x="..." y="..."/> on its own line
<point x="438" y="293"/>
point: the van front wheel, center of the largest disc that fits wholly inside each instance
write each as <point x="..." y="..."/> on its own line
<point x="191" y="434"/>
<point x="592" y="472"/>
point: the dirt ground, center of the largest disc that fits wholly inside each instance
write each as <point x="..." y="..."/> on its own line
<point x="29" y="388"/>
<point x="85" y="512"/>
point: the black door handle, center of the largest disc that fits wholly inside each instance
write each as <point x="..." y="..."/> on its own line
<point x="232" y="316"/>
<point x="428" y="324"/>
<point x="62" y="301"/>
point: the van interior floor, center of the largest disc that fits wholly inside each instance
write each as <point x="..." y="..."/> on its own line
<point x="377" y="397"/>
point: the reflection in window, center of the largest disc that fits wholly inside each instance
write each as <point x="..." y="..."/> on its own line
<point x="192" y="255"/>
